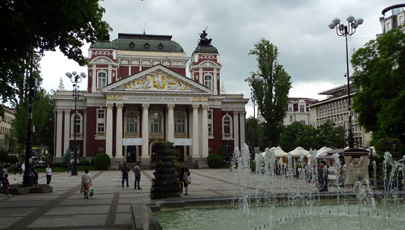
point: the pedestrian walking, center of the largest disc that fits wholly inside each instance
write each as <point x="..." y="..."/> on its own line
<point x="86" y="183"/>
<point x="124" y="172"/>
<point x="181" y="178"/>
<point x="186" y="179"/>
<point x="17" y="168"/>
<point x="23" y="167"/>
<point x="6" y="185"/>
<point x="2" y="175"/>
<point x="34" y="175"/>
<point x="137" y="171"/>
<point x="48" y="174"/>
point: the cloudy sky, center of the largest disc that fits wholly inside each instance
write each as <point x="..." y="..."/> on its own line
<point x="310" y="52"/>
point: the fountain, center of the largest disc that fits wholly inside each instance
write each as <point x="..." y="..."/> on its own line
<point x="279" y="195"/>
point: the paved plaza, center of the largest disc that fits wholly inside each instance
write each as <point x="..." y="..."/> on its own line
<point x="109" y="208"/>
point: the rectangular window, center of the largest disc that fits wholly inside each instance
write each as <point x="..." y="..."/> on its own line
<point x="302" y="122"/>
<point x="291" y="119"/>
<point x="101" y="80"/>
<point x="290" y="107"/>
<point x="227" y="149"/>
<point x="302" y="108"/>
<point x="100" y="121"/>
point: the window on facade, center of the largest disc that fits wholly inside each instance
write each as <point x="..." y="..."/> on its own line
<point x="180" y="122"/>
<point x="227" y="149"/>
<point x="291" y="119"/>
<point x="208" y="81"/>
<point x="302" y="122"/>
<point x="76" y="124"/>
<point x="210" y="131"/>
<point x="131" y="122"/>
<point x="290" y="107"/>
<point x="101" y="79"/>
<point x="155" y="123"/>
<point x="302" y="108"/>
<point x="227" y="125"/>
<point x="101" y="121"/>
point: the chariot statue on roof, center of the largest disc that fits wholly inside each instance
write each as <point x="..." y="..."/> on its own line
<point x="203" y="38"/>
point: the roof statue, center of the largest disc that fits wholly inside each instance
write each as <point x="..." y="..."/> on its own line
<point x="204" y="41"/>
<point x="61" y="85"/>
<point x="222" y="88"/>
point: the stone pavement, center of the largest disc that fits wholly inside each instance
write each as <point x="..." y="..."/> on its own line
<point x="109" y="208"/>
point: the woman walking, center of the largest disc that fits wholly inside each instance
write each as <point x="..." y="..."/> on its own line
<point x="186" y="181"/>
<point x="48" y="174"/>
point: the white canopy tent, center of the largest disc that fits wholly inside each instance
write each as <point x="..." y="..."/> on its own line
<point x="278" y="152"/>
<point x="322" y="152"/>
<point x="297" y="152"/>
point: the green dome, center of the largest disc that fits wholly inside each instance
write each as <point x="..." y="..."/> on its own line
<point x="140" y="42"/>
<point x="206" y="49"/>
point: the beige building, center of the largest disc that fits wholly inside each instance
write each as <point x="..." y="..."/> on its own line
<point x="298" y="110"/>
<point x="5" y="125"/>
<point x="335" y="108"/>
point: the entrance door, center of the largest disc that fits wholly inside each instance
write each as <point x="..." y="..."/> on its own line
<point x="131" y="153"/>
<point x="181" y="150"/>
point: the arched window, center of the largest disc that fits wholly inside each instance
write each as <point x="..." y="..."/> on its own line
<point x="155" y="123"/>
<point x="208" y="81"/>
<point x="227" y="126"/>
<point x="76" y="124"/>
<point x="131" y="120"/>
<point x="101" y="79"/>
<point x="180" y="122"/>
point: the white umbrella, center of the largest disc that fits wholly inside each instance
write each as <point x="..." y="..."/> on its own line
<point x="278" y="152"/>
<point x="297" y="151"/>
<point x="322" y="152"/>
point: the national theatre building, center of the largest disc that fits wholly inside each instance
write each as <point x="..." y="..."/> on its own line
<point x="138" y="94"/>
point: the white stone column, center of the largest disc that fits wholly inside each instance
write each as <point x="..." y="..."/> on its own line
<point x="118" y="142"/>
<point x="109" y="75"/>
<point x="242" y="129"/>
<point x="109" y="132"/>
<point x="195" y="150"/>
<point x="170" y="123"/>
<point x="59" y="131"/>
<point x="145" y="133"/>
<point x="236" y="129"/>
<point x="66" y="135"/>
<point x="204" y="131"/>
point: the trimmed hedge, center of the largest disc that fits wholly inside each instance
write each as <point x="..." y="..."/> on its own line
<point x="102" y="161"/>
<point x="215" y="160"/>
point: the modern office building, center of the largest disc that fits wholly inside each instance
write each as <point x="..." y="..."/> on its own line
<point x="335" y="109"/>
<point x="393" y="17"/>
<point x="138" y="94"/>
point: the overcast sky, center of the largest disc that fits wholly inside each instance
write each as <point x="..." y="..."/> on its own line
<point x="311" y="53"/>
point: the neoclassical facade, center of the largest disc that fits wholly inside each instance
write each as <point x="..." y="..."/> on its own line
<point x="138" y="94"/>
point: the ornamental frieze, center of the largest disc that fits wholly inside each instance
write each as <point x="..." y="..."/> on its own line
<point x="114" y="97"/>
<point x="200" y="99"/>
<point x="102" y="53"/>
<point x="157" y="81"/>
<point x="207" y="57"/>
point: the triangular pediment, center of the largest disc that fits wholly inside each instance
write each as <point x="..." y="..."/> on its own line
<point x="157" y="79"/>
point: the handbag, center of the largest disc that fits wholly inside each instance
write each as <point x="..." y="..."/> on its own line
<point x="91" y="191"/>
<point x="188" y="180"/>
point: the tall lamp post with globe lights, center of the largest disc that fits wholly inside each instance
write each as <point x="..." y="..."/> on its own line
<point x="75" y="79"/>
<point x="345" y="31"/>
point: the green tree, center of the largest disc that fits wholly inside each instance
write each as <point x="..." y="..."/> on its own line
<point x="290" y="134"/>
<point x="43" y="120"/>
<point x="270" y="85"/>
<point x="42" y="26"/>
<point x="379" y="76"/>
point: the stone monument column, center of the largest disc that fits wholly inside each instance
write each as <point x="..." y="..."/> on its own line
<point x="59" y="121"/>
<point x="204" y="131"/>
<point x="145" y="134"/>
<point x="170" y="122"/>
<point x="66" y="131"/>
<point x="236" y="129"/>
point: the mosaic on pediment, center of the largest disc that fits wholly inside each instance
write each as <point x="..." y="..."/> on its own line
<point x="157" y="81"/>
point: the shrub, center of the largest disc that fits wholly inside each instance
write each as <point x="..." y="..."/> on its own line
<point x="102" y="161"/>
<point x="13" y="159"/>
<point x="215" y="161"/>
<point x="84" y="161"/>
<point x="66" y="158"/>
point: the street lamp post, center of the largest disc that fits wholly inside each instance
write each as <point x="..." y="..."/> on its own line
<point x="252" y="81"/>
<point x="345" y="31"/>
<point x="75" y="79"/>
